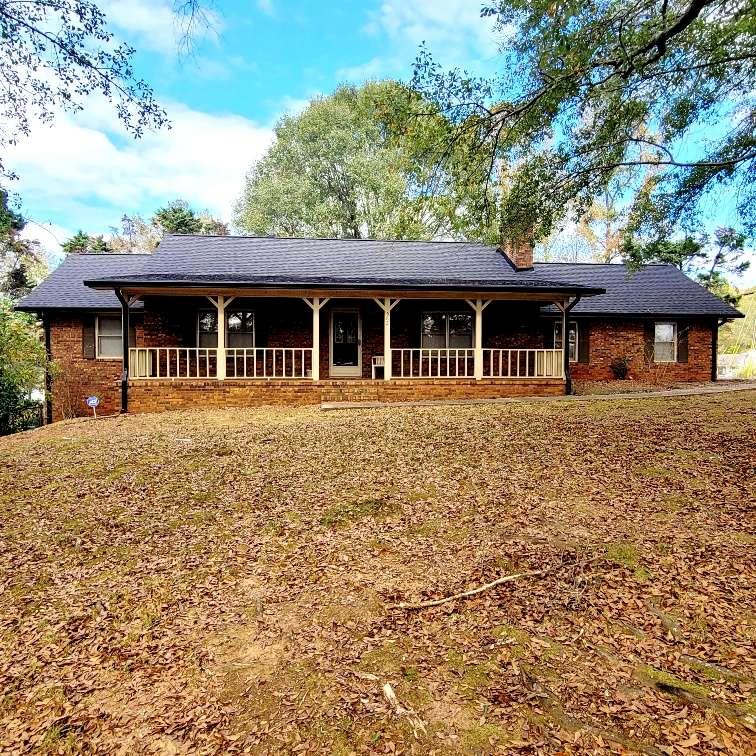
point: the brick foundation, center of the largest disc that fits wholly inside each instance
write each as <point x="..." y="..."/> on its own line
<point x="161" y="395"/>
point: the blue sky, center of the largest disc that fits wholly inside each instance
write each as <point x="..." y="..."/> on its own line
<point x="259" y="60"/>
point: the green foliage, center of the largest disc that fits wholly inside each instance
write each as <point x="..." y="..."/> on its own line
<point x="22" y="366"/>
<point x="594" y="95"/>
<point x="21" y="264"/>
<point x="740" y="335"/>
<point x="137" y="235"/>
<point x="81" y="243"/>
<point x="352" y="165"/>
<point x="177" y="218"/>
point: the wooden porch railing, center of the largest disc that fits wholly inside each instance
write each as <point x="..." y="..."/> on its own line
<point x="172" y="362"/>
<point x="433" y="363"/>
<point x="523" y="363"/>
<point x="187" y="362"/>
<point x="270" y="362"/>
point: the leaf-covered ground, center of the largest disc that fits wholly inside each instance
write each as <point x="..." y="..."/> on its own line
<point x="224" y="581"/>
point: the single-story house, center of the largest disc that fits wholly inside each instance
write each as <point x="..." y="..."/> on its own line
<point x="235" y="321"/>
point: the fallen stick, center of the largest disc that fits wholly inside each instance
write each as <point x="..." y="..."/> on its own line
<point x="468" y="594"/>
<point x="416" y="723"/>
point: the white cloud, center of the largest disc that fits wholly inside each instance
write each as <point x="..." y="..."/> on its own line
<point x="85" y="173"/>
<point x="452" y="29"/>
<point x="266" y="7"/>
<point x="154" y="25"/>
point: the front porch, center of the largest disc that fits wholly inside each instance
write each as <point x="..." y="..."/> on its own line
<point x="376" y="338"/>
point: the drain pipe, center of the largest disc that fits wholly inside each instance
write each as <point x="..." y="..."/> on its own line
<point x="125" y="349"/>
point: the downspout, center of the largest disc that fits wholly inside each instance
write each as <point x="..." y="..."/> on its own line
<point x="125" y="328"/>
<point x="48" y="373"/>
<point x="715" y="347"/>
<point x="566" y="345"/>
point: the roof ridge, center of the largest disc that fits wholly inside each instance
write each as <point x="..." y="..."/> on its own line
<point x="329" y="238"/>
<point x="75" y="255"/>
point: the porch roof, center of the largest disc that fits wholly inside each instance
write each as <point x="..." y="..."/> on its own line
<point x="338" y="264"/>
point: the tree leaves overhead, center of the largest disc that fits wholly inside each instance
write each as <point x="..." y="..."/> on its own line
<point x="354" y="165"/>
<point x="589" y="90"/>
<point x="56" y="53"/>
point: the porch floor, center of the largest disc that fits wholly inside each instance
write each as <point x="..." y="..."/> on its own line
<point x="157" y="395"/>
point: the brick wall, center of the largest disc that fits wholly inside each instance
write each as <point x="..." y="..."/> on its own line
<point x="80" y="377"/>
<point x="609" y="339"/>
<point x="287" y="323"/>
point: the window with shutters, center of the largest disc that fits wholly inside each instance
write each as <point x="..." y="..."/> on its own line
<point x="108" y="337"/>
<point x="665" y="342"/>
<point x="572" y="336"/>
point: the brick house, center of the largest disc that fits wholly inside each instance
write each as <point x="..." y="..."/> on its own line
<point x="239" y="321"/>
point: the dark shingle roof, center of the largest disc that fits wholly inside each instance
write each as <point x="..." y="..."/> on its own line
<point x="337" y="262"/>
<point x="64" y="288"/>
<point x="652" y="290"/>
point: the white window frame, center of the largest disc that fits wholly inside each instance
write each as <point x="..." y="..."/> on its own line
<point x="97" y="336"/>
<point x="674" y="341"/>
<point x="446" y="335"/>
<point x="572" y="326"/>
<point x="229" y="310"/>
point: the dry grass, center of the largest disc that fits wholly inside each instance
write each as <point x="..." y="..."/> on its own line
<point x="219" y="581"/>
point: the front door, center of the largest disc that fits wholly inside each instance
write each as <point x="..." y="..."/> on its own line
<point x="346" y="344"/>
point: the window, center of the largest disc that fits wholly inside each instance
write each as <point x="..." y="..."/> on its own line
<point x="109" y="343"/>
<point x="240" y="329"/>
<point x="207" y="329"/>
<point x="572" y="336"/>
<point x="442" y="330"/>
<point x="665" y="342"/>
<point x="240" y="325"/>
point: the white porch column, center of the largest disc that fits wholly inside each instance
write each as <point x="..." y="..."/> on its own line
<point x="478" y="306"/>
<point x="315" y="304"/>
<point x="386" y="304"/>
<point x="221" y="303"/>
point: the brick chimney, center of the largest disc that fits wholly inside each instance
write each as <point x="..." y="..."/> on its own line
<point x="518" y="249"/>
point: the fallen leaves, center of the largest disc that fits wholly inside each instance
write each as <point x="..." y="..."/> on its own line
<point x="157" y="595"/>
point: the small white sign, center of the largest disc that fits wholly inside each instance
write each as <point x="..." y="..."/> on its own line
<point x="93" y="402"/>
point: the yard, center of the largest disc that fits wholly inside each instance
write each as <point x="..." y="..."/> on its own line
<point x="222" y="581"/>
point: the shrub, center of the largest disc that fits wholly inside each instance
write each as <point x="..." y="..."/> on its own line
<point x="620" y="367"/>
<point x="22" y="369"/>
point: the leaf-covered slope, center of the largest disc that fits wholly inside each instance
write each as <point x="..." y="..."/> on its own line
<point x="222" y="580"/>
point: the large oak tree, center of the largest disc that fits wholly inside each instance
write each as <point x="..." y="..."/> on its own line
<point x="588" y="90"/>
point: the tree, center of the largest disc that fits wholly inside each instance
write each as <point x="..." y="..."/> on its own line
<point x="581" y="86"/>
<point x="22" y="368"/>
<point x="137" y="235"/>
<point x="178" y="218"/>
<point x="708" y="258"/>
<point x="81" y="243"/>
<point x="21" y="263"/>
<point x="56" y="54"/>
<point x="351" y="165"/>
